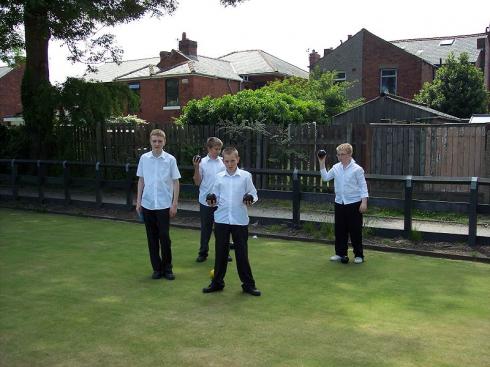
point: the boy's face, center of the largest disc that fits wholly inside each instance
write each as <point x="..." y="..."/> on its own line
<point x="157" y="143"/>
<point x="231" y="162"/>
<point x="214" y="151"/>
<point x="344" y="157"/>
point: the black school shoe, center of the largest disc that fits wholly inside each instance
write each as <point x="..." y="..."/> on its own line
<point x="212" y="288"/>
<point x="251" y="290"/>
<point x="169" y="275"/>
<point x="201" y="259"/>
<point x="156" y="275"/>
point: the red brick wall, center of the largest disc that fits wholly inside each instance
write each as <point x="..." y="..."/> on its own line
<point x="10" y="99"/>
<point x="152" y="95"/>
<point x="378" y="54"/>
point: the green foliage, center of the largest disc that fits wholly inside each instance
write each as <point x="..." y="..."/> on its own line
<point x="15" y="142"/>
<point x="128" y="119"/>
<point x="319" y="230"/>
<point x="262" y="105"/>
<point x="86" y="103"/>
<point x="415" y="236"/>
<point x="458" y="89"/>
<point x="321" y="88"/>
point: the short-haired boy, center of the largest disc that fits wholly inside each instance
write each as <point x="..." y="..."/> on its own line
<point x="157" y="200"/>
<point x="205" y="171"/>
<point x="351" y="196"/>
<point x="234" y="191"/>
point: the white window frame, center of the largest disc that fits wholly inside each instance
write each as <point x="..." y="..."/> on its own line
<point x="338" y="78"/>
<point x="382" y="77"/>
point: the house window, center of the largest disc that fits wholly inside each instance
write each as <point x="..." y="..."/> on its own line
<point x="388" y="81"/>
<point x="172" y="92"/>
<point x="340" y="77"/>
<point x="135" y="87"/>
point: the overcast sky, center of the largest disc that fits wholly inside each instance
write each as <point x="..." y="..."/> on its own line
<point x="285" y="28"/>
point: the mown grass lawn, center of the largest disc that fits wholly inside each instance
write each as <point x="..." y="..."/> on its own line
<point x="77" y="292"/>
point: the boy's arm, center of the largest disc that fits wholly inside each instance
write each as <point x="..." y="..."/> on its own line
<point x="361" y="179"/>
<point x="250" y="189"/>
<point x="175" y="201"/>
<point x="197" y="178"/>
<point x="141" y="185"/>
<point x="326" y="176"/>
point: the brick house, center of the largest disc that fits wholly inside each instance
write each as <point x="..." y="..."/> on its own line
<point x="397" y="67"/>
<point x="165" y="84"/>
<point x="10" y="94"/>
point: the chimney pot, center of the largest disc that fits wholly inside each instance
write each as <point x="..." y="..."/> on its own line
<point x="187" y="46"/>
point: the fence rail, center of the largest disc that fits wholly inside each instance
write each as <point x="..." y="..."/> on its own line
<point x="472" y="207"/>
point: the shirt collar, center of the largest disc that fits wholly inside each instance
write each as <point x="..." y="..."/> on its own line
<point x="161" y="156"/>
<point x="236" y="173"/>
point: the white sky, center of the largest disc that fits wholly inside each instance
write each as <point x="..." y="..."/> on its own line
<point x="286" y="28"/>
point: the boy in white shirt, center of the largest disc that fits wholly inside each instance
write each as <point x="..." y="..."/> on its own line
<point x="156" y="202"/>
<point x="350" y="202"/>
<point x="234" y="191"/>
<point x="205" y="171"/>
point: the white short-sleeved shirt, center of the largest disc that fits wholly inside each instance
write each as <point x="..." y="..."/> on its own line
<point x="349" y="182"/>
<point x="158" y="174"/>
<point x="229" y="190"/>
<point x="208" y="168"/>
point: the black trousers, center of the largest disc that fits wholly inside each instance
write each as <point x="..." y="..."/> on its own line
<point x="239" y="234"/>
<point x="348" y="222"/>
<point x="157" y="224"/>
<point x="207" y="220"/>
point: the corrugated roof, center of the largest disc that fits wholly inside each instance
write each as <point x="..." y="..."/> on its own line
<point x="260" y="62"/>
<point x="196" y="65"/>
<point x="5" y="70"/>
<point x="110" y="71"/>
<point x="435" y="49"/>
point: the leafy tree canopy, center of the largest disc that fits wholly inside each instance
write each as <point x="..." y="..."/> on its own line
<point x="321" y="87"/>
<point x="31" y="24"/>
<point x="263" y="105"/>
<point x="85" y="103"/>
<point x="458" y="89"/>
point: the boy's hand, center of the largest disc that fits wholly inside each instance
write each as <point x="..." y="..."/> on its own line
<point x="363" y="207"/>
<point x="196" y="160"/>
<point x="211" y="199"/>
<point x="173" y="210"/>
<point x="248" y="199"/>
<point x="322" y="156"/>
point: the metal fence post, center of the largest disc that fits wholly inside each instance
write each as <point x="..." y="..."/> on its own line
<point x="129" y="186"/>
<point x="472" y="211"/>
<point x="66" y="182"/>
<point x="98" y="185"/>
<point x="407" y="224"/>
<point x="14" y="175"/>
<point x="296" y="198"/>
<point x="40" y="180"/>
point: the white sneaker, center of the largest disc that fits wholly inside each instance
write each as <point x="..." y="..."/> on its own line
<point x="335" y="258"/>
<point x="358" y="260"/>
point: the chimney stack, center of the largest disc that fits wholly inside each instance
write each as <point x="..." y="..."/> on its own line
<point x="187" y="46"/>
<point x="314" y="57"/>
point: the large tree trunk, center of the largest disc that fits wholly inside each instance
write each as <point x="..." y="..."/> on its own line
<point x="37" y="93"/>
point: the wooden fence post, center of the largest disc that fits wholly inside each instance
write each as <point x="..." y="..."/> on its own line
<point x="66" y="182"/>
<point x="13" y="177"/>
<point x="40" y="180"/>
<point x="407" y="224"/>
<point x="296" y="198"/>
<point x="129" y="186"/>
<point x="98" y="184"/>
<point x="472" y="211"/>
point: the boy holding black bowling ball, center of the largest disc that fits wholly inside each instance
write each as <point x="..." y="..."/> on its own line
<point x="351" y="196"/>
<point x="234" y="191"/>
<point x="205" y="170"/>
